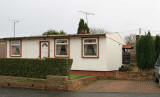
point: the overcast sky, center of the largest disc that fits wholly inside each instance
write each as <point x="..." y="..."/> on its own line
<point x="38" y="16"/>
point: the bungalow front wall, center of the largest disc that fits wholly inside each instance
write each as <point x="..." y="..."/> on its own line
<point x="93" y="53"/>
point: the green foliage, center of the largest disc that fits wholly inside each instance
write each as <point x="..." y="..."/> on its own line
<point x="54" y="32"/>
<point x="157" y="46"/>
<point x="35" y="68"/>
<point x="62" y="32"/>
<point x="77" y="76"/>
<point x="82" y="26"/>
<point x="145" y="52"/>
<point x="86" y="27"/>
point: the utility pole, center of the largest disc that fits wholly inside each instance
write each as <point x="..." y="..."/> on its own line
<point x="14" y="25"/>
<point x="86" y="13"/>
<point x="140" y="30"/>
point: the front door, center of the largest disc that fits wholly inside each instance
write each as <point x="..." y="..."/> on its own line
<point x="44" y="49"/>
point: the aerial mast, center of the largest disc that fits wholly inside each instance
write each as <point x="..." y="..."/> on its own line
<point x="86" y="14"/>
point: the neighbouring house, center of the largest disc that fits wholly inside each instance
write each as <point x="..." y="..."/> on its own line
<point x="91" y="53"/>
<point x="126" y="55"/>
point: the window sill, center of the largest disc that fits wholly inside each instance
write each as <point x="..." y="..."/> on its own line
<point x="90" y="56"/>
<point x="15" y="56"/>
<point x="61" y="56"/>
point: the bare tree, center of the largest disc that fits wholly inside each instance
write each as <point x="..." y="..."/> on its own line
<point x="97" y="30"/>
<point x="130" y="39"/>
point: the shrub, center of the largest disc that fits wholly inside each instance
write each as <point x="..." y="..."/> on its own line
<point x="157" y="46"/>
<point x="35" y="68"/>
<point x="145" y="52"/>
<point x="125" y="68"/>
<point x="82" y="26"/>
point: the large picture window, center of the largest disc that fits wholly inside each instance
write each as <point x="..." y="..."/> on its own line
<point x="90" y="47"/>
<point x="16" y="48"/>
<point x="61" y="48"/>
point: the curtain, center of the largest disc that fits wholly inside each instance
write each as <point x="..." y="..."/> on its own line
<point x="61" y="50"/>
<point x="95" y="49"/>
<point x="15" y="49"/>
<point x="90" y="49"/>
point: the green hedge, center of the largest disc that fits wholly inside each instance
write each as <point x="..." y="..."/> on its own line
<point x="35" y="68"/>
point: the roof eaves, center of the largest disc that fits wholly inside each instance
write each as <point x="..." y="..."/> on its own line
<point x="57" y="36"/>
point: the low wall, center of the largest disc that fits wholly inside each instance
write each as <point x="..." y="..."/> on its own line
<point x="117" y="75"/>
<point x="50" y="83"/>
<point x="77" y="83"/>
<point x="128" y="76"/>
<point x="63" y="83"/>
<point x="94" y="73"/>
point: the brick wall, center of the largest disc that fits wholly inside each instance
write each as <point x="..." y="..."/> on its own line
<point x="51" y="83"/>
<point x="95" y="73"/>
<point x="128" y="76"/>
<point x="117" y="75"/>
<point x="77" y="83"/>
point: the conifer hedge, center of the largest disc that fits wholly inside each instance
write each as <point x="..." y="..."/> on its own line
<point x="35" y="68"/>
<point x="145" y="52"/>
<point x="157" y="46"/>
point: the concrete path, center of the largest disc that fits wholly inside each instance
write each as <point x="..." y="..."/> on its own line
<point x="122" y="86"/>
<point x="15" y="92"/>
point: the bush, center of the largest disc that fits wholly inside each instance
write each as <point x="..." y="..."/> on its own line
<point x="125" y="68"/>
<point x="157" y="47"/>
<point x="145" y="52"/>
<point x="35" y="68"/>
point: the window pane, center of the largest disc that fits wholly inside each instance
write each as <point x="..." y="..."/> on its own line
<point x="90" y="40"/>
<point x="15" y="42"/>
<point x="61" y="50"/>
<point x="61" y="41"/>
<point x="90" y="50"/>
<point x="15" y="49"/>
<point x="44" y="44"/>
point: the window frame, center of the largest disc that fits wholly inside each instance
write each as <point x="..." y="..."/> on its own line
<point x="82" y="47"/>
<point x="68" y="48"/>
<point x="11" y="50"/>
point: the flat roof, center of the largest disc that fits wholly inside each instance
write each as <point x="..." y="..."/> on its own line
<point x="127" y="46"/>
<point x="56" y="36"/>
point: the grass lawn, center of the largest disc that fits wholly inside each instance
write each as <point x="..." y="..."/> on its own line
<point x="76" y="76"/>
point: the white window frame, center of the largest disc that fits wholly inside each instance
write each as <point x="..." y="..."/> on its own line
<point x="62" y="44"/>
<point x="91" y="43"/>
<point x="12" y="55"/>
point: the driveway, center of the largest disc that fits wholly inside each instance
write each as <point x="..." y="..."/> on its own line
<point x="122" y="86"/>
<point x="17" y="92"/>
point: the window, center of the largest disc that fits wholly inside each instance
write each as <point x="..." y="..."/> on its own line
<point x="16" y="48"/>
<point x="90" y="47"/>
<point x="61" y="48"/>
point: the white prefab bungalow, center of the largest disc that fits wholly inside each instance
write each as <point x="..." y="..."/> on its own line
<point x="90" y="52"/>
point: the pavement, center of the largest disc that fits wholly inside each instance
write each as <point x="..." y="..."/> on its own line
<point x="122" y="86"/>
<point x="17" y="92"/>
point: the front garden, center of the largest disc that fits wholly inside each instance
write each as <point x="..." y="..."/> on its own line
<point x="35" y="68"/>
<point x="77" y="76"/>
<point x="49" y="74"/>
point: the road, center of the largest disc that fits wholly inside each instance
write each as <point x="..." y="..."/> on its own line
<point x="16" y="92"/>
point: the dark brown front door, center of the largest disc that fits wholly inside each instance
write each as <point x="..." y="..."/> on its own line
<point x="3" y="49"/>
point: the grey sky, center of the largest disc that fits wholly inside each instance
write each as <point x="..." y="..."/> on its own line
<point x="37" y="16"/>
